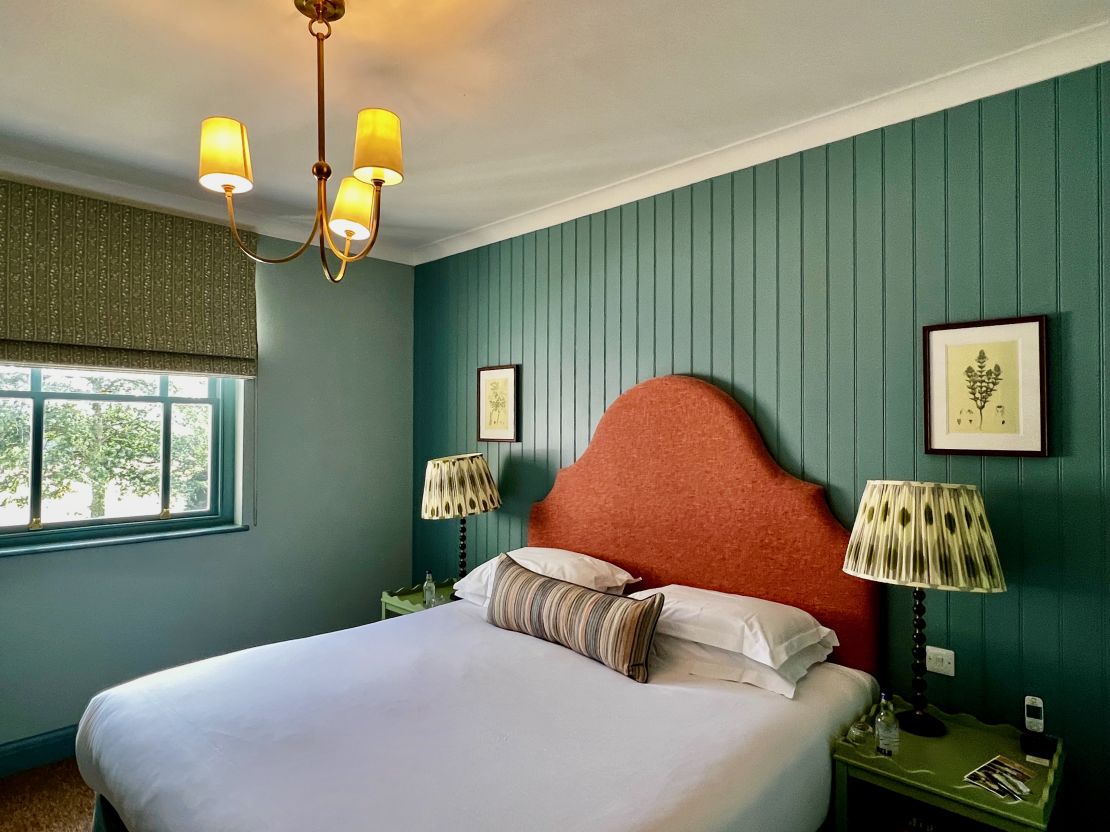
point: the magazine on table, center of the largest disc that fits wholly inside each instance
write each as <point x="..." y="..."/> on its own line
<point x="1003" y="777"/>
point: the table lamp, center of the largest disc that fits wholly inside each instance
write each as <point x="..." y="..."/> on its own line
<point x="928" y="535"/>
<point x="458" y="486"/>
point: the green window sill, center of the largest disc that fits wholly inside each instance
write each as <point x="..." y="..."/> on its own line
<point x="116" y="537"/>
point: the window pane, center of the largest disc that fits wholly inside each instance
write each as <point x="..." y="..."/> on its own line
<point x="189" y="387"/>
<point x="15" y="462"/>
<point x="15" y="378"/>
<point x="101" y="459"/>
<point x="120" y="384"/>
<point x="190" y="447"/>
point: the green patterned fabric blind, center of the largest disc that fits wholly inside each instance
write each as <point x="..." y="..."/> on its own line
<point x="89" y="283"/>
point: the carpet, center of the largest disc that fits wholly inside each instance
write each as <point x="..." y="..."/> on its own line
<point x="53" y="798"/>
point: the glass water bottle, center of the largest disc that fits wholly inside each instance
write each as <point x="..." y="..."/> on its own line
<point x="429" y="591"/>
<point x="886" y="728"/>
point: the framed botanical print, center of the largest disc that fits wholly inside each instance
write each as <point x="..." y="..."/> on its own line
<point x="985" y="387"/>
<point x="499" y="403"/>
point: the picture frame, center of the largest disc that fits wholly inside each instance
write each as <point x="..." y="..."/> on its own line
<point x="986" y="387"/>
<point x="499" y="403"/>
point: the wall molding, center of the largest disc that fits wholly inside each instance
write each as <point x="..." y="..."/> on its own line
<point x="39" y="750"/>
<point x="1039" y="61"/>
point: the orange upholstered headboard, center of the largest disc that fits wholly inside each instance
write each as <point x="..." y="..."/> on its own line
<point x="678" y="488"/>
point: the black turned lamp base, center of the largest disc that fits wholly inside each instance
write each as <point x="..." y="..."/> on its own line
<point x="917" y="720"/>
<point x="462" y="547"/>
<point x="920" y="723"/>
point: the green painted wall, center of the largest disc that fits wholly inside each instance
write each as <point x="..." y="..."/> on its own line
<point x="332" y="495"/>
<point x="801" y="287"/>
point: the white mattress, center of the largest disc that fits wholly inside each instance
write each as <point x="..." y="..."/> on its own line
<point x="440" y="720"/>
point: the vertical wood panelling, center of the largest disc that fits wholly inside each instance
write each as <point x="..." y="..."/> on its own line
<point x="646" y="291"/>
<point x="765" y="394"/>
<point x="721" y="303"/>
<point x="611" y="328"/>
<point x="630" y="296"/>
<point x="601" y="307"/>
<point x="1080" y="468"/>
<point x="789" y="304"/>
<point x="815" y="317"/>
<point x="998" y="134"/>
<point x="801" y="286"/>
<point x="1104" y="341"/>
<point x="1037" y="291"/>
<point x="930" y="305"/>
<point x="842" y="330"/>
<point x="682" y="289"/>
<point x="964" y="292"/>
<point x="743" y="288"/>
<point x="701" y="289"/>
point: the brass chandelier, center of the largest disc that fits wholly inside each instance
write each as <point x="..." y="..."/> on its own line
<point x="225" y="165"/>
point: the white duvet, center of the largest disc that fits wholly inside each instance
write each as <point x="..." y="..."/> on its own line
<point x="442" y="721"/>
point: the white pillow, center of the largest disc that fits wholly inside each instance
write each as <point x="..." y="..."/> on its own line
<point x="684" y="656"/>
<point x="571" y="567"/>
<point x="762" y="630"/>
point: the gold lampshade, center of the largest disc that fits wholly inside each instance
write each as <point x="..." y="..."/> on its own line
<point x="354" y="206"/>
<point x="924" y="534"/>
<point x="378" y="147"/>
<point x="225" y="157"/>
<point x="457" y="486"/>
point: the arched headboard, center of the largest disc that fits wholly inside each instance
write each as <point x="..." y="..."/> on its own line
<point x="677" y="487"/>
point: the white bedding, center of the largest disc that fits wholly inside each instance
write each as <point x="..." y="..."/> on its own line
<point x="439" y="720"/>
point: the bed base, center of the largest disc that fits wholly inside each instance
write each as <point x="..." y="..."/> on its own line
<point x="105" y="818"/>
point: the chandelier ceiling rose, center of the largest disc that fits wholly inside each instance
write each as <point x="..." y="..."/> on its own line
<point x="225" y="165"/>
<point x="332" y="9"/>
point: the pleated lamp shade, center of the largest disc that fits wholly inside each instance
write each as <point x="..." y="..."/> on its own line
<point x="929" y="535"/>
<point x="457" y="486"/>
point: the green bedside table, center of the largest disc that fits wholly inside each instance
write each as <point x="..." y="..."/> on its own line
<point x="411" y="598"/>
<point x="931" y="770"/>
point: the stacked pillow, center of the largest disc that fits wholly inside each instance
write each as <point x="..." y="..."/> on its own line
<point x="717" y="635"/>
<point x="572" y="567"/>
<point x="738" y="638"/>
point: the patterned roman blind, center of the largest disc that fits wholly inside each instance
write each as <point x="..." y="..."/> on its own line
<point x="89" y="283"/>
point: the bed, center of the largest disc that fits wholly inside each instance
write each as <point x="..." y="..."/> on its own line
<point x="441" y="720"/>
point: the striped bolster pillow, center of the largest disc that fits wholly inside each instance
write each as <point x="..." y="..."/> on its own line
<point x="611" y="629"/>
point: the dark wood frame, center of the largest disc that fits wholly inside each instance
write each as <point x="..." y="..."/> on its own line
<point x="1042" y="343"/>
<point x="516" y="400"/>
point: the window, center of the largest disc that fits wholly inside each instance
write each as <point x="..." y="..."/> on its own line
<point x="87" y="454"/>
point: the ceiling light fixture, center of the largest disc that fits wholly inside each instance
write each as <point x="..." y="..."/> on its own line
<point x="225" y="164"/>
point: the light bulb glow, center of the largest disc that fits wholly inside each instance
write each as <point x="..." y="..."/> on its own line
<point x="353" y="209"/>
<point x="225" y="157"/>
<point x="378" y="147"/>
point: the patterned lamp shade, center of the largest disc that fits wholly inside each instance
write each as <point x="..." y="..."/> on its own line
<point x="924" y="534"/>
<point x="455" y="486"/>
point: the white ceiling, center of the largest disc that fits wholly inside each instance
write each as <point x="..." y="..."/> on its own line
<point x="516" y="113"/>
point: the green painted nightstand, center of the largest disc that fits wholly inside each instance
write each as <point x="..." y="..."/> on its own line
<point x="411" y="598"/>
<point x="931" y="770"/>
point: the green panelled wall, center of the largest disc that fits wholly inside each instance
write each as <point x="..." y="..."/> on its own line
<point x="801" y="286"/>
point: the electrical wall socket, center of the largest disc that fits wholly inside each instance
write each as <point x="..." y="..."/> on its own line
<point x="939" y="660"/>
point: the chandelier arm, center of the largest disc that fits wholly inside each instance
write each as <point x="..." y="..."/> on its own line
<point x="276" y="261"/>
<point x="328" y="274"/>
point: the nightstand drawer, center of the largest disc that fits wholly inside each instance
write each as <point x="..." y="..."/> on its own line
<point x="875" y="809"/>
